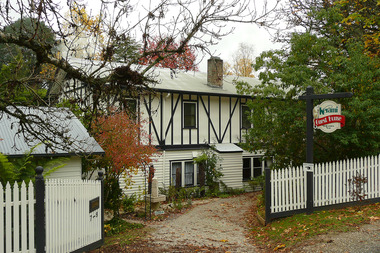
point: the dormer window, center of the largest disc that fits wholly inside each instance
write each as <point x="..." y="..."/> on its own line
<point x="189" y="114"/>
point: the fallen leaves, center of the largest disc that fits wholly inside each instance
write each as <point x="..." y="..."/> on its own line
<point x="281" y="246"/>
<point x="374" y="218"/>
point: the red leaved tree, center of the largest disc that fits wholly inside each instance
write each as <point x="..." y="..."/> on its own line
<point x="165" y="53"/>
<point x="127" y="150"/>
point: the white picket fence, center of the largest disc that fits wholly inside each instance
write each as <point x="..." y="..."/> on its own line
<point x="17" y="218"/>
<point x="331" y="183"/>
<point x="69" y="222"/>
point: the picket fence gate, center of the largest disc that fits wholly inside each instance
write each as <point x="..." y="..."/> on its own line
<point x="286" y="189"/>
<point x="69" y="219"/>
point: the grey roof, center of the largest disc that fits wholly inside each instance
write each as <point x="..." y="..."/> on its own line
<point x="227" y="148"/>
<point x="171" y="80"/>
<point x="192" y="81"/>
<point x="76" y="140"/>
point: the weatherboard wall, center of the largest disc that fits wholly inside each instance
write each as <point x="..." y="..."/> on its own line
<point x="71" y="170"/>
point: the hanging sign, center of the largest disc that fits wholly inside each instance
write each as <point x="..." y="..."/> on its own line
<point x="327" y="116"/>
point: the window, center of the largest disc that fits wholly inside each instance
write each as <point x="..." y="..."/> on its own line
<point x="245" y="113"/>
<point x="246" y="169"/>
<point x="174" y="170"/>
<point x="189" y="115"/>
<point x="187" y="173"/>
<point x="130" y="106"/>
<point x="252" y="166"/>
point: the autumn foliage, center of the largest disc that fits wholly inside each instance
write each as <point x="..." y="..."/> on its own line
<point x="161" y="51"/>
<point x="124" y="142"/>
<point x="127" y="150"/>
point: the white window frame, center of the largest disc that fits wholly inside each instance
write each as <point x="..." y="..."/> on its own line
<point x="252" y="166"/>
<point x="183" y="179"/>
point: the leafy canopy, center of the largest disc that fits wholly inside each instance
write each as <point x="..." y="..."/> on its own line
<point x="332" y="54"/>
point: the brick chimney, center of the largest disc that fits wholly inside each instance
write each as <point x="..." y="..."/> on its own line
<point x="215" y="72"/>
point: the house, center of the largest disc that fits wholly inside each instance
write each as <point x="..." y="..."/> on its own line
<point x="191" y="111"/>
<point x="75" y="142"/>
<point x="187" y="113"/>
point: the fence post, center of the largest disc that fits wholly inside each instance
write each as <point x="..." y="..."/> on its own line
<point x="267" y="195"/>
<point x="101" y="179"/>
<point x="40" y="211"/>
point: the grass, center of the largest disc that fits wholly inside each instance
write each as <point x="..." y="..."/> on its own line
<point x="121" y="232"/>
<point x="289" y="231"/>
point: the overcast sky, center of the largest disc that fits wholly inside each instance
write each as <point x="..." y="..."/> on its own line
<point x="244" y="33"/>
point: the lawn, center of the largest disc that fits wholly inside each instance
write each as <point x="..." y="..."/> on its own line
<point x="290" y="231"/>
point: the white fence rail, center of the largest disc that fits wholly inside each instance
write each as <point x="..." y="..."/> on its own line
<point x="331" y="184"/>
<point x="17" y="218"/>
<point x="69" y="223"/>
<point x="73" y="216"/>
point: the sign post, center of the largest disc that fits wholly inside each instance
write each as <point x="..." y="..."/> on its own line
<point x="310" y="97"/>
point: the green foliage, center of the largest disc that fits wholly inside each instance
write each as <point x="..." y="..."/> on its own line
<point x="128" y="203"/>
<point x="213" y="169"/>
<point x="30" y="29"/>
<point x="113" y="195"/>
<point x="257" y="182"/>
<point x="23" y="168"/>
<point x="117" y="226"/>
<point x="336" y="60"/>
<point x="7" y="170"/>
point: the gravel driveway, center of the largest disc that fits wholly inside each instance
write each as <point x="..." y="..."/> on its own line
<point x="218" y="226"/>
<point x="365" y="240"/>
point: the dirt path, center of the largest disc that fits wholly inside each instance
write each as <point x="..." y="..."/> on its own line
<point x="216" y="226"/>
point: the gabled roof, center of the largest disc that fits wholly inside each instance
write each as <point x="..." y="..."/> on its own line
<point x="169" y="80"/>
<point x="196" y="82"/>
<point x="77" y="140"/>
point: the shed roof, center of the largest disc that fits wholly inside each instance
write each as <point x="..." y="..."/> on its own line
<point x="77" y="141"/>
<point x="228" y="148"/>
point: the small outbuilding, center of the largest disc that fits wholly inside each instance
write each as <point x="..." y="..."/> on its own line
<point x="73" y="141"/>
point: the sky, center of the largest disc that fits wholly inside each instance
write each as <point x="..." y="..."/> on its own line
<point x="244" y="33"/>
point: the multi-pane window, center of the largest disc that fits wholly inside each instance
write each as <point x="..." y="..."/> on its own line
<point x="252" y="167"/>
<point x="175" y="165"/>
<point x="189" y="114"/>
<point x="187" y="173"/>
<point x="245" y="112"/>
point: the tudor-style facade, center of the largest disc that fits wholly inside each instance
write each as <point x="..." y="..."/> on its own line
<point x="189" y="112"/>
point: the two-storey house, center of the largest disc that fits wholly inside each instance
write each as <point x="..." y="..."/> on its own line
<point x="191" y="111"/>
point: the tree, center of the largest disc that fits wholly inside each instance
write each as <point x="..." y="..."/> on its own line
<point x="127" y="150"/>
<point x="337" y="59"/>
<point x="158" y="48"/>
<point x="243" y="60"/>
<point x="19" y="63"/>
<point x="196" y="25"/>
